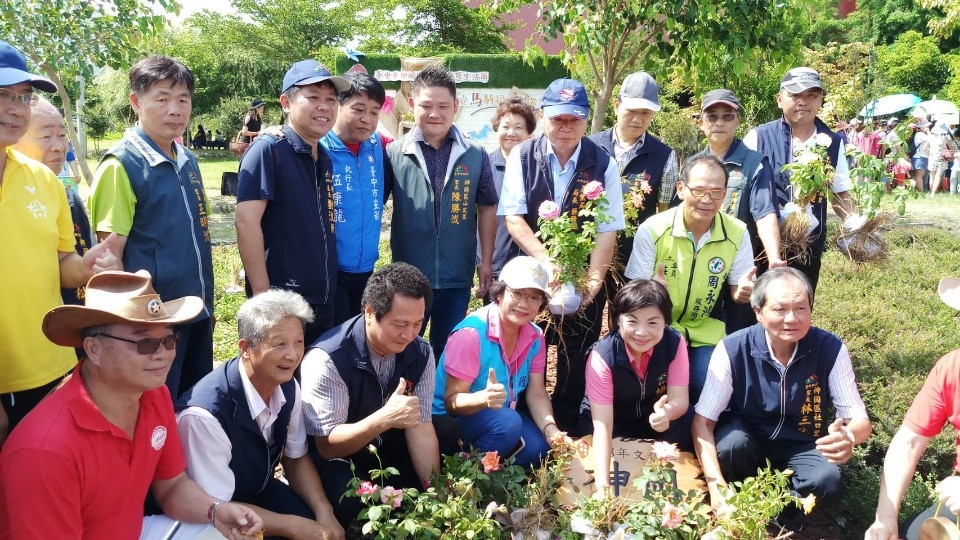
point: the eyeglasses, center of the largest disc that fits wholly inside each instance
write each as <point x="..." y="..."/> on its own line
<point x="523" y="298"/>
<point x="726" y="117"/>
<point x="714" y="194"/>
<point x="148" y="345"/>
<point x="9" y="96"/>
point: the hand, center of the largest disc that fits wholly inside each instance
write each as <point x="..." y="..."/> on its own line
<point x="329" y="521"/>
<point x="554" y="436"/>
<point x="593" y="289"/>
<point x="948" y="491"/>
<point x="837" y="444"/>
<point x="659" y="420"/>
<point x="402" y="411"/>
<point x="100" y="257"/>
<point x="552" y="271"/>
<point x="776" y="262"/>
<point x="717" y="499"/>
<point x="745" y="286"/>
<point x="237" y="522"/>
<point x="494" y="395"/>
<point x="276" y="131"/>
<point x="307" y="529"/>
<point x="661" y="276"/>
<point x="601" y="493"/>
<point x="484" y="279"/>
<point x="882" y="529"/>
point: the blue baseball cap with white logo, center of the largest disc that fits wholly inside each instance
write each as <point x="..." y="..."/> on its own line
<point x="307" y="72"/>
<point x="13" y="70"/>
<point x="565" y="97"/>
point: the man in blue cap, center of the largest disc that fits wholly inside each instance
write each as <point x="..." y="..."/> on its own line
<point x="556" y="166"/>
<point x="285" y="206"/>
<point x="35" y="225"/>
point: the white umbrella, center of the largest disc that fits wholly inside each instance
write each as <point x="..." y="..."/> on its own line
<point x="889" y="105"/>
<point x="938" y="109"/>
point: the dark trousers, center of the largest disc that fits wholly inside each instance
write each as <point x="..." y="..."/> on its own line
<point x="349" y="295"/>
<point x="335" y="474"/>
<point x="18" y="404"/>
<point x="323" y="316"/>
<point x="573" y="335"/>
<point x="194" y="358"/>
<point x="740" y="454"/>
<point x="449" y="307"/>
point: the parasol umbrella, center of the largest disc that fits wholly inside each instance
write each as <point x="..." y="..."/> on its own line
<point x="938" y="109"/>
<point x="889" y="105"/>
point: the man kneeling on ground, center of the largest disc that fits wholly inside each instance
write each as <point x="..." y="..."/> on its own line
<point x="246" y="417"/>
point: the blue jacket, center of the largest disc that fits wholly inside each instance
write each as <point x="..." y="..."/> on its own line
<point x="773" y="141"/>
<point x="169" y="237"/>
<point x="253" y="459"/>
<point x="298" y="224"/>
<point x="792" y="407"/>
<point x="358" y="196"/>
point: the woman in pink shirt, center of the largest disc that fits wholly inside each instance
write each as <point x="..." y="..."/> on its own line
<point x="637" y="375"/>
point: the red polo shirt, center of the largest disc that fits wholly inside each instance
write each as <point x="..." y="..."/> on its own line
<point x="938" y="402"/>
<point x="67" y="472"/>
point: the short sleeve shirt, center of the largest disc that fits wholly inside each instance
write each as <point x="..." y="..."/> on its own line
<point x="600" y="376"/>
<point x="938" y="402"/>
<point x="69" y="473"/>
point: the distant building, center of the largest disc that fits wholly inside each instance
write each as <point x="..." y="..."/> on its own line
<point x="527" y="17"/>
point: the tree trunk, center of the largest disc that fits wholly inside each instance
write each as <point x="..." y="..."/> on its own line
<point x="68" y="117"/>
<point x="600" y="108"/>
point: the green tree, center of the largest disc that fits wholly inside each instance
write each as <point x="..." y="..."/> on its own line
<point x="615" y="37"/>
<point x="950" y="21"/>
<point x="67" y="39"/>
<point x="98" y="124"/>
<point x="913" y="63"/>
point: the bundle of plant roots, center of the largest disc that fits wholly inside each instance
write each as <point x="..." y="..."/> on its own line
<point x="794" y="236"/>
<point x="866" y="244"/>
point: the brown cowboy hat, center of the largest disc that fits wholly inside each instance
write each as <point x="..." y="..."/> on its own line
<point x="117" y="297"/>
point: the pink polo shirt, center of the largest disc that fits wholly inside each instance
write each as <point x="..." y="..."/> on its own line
<point x="462" y="353"/>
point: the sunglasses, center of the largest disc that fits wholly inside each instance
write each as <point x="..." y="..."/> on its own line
<point x="148" y="345"/>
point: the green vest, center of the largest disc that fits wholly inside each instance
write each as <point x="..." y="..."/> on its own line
<point x="695" y="280"/>
<point x="446" y="256"/>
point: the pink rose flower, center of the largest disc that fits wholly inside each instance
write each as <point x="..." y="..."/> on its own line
<point x="391" y="496"/>
<point x="548" y="210"/>
<point x="645" y="184"/>
<point x="637" y="200"/>
<point x="491" y="461"/>
<point x="367" y="488"/>
<point x="593" y="190"/>
<point x="665" y="451"/>
<point x="672" y="517"/>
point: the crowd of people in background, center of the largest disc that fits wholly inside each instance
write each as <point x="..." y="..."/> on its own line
<point x="710" y="346"/>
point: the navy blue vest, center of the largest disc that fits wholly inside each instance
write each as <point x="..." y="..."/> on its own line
<point x="793" y="408"/>
<point x="538" y="178"/>
<point x="347" y="346"/>
<point x="633" y="399"/>
<point x="773" y="141"/>
<point x="648" y="162"/>
<point x="253" y="459"/>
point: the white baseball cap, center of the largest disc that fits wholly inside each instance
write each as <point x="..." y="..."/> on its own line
<point x="525" y="272"/>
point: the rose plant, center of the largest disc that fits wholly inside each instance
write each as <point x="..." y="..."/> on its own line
<point x="634" y="200"/>
<point x="811" y="175"/>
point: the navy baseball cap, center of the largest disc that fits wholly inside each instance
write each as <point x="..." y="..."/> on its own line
<point x="640" y="91"/>
<point x="801" y="79"/>
<point x="565" y="97"/>
<point x="13" y="70"/>
<point x="720" y="96"/>
<point x="307" y="72"/>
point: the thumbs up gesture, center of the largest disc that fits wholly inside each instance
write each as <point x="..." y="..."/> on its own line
<point x="745" y="286"/>
<point x="837" y="444"/>
<point x="101" y="256"/>
<point x="495" y="395"/>
<point x="661" y="275"/>
<point x="659" y="420"/>
<point x="401" y="411"/>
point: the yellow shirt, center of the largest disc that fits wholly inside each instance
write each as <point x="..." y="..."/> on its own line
<point x="35" y="225"/>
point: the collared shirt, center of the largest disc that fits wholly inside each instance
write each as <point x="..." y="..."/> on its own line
<point x="841" y="176"/>
<point x="599" y="386"/>
<point x="326" y="401"/>
<point x="624" y="152"/>
<point x="513" y="197"/>
<point x="643" y="263"/>
<point x="718" y="388"/>
<point x="462" y="353"/>
<point x="437" y="161"/>
<point x="208" y="450"/>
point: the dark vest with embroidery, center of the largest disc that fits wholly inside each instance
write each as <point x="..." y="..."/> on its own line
<point x="538" y="178"/>
<point x="633" y="399"/>
<point x="793" y="407"/>
<point x="253" y="460"/>
<point x="773" y="141"/>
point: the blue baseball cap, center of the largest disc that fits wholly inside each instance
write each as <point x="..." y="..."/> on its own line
<point x="13" y="70"/>
<point x="307" y="72"/>
<point x="565" y="97"/>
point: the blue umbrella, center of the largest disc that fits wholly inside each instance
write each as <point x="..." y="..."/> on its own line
<point x="889" y="105"/>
